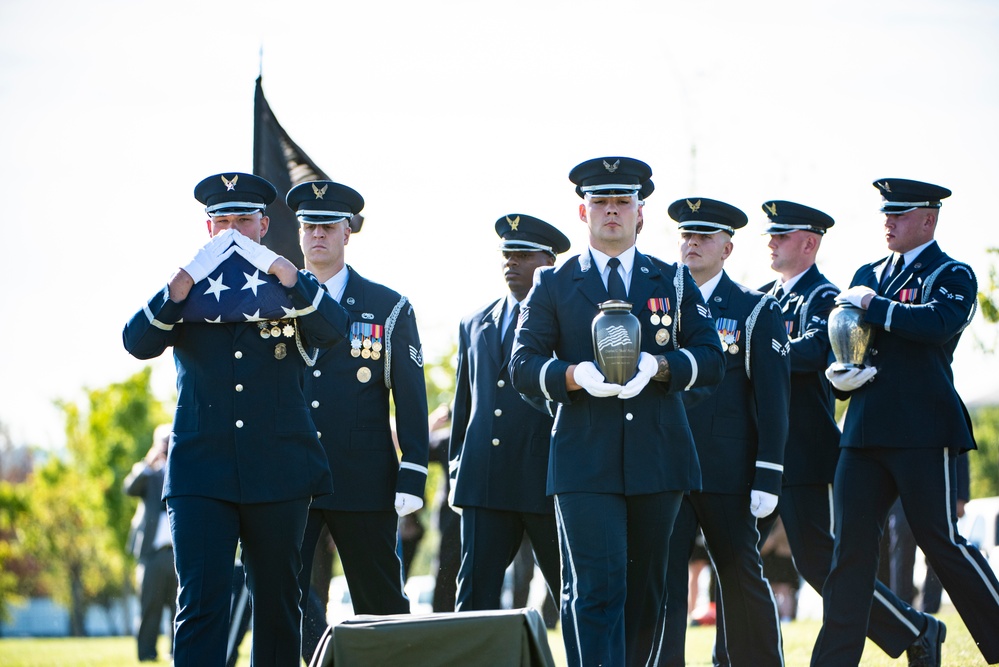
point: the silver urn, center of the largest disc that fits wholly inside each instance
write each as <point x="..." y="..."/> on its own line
<point x="617" y="341"/>
<point x="850" y="336"/>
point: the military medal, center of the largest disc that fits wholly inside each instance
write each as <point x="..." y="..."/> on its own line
<point x="728" y="334"/>
<point x="265" y="333"/>
<point x="275" y="330"/>
<point x="654" y="319"/>
<point x="376" y="355"/>
<point x="666" y="320"/>
<point x="662" y="336"/>
<point x="355" y="339"/>
<point x="365" y="352"/>
<point x="363" y="374"/>
<point x="280" y="351"/>
<point x="376" y="337"/>
<point x="288" y="330"/>
<point x="367" y="343"/>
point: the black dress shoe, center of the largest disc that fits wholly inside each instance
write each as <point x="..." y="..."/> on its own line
<point x="925" y="651"/>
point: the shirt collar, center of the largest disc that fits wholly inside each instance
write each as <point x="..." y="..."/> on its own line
<point x="789" y="285"/>
<point x="338" y="283"/>
<point x="627" y="260"/>
<point x="709" y="286"/>
<point x="914" y="253"/>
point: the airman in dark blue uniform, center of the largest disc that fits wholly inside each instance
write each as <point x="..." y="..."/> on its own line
<point x="245" y="461"/>
<point x="903" y="431"/>
<point x="621" y="456"/>
<point x="740" y="430"/>
<point x="499" y="442"/>
<point x="807" y="297"/>
<point x="348" y="390"/>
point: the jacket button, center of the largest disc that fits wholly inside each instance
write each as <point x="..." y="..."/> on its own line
<point x="495" y="442"/>
<point x="316" y="373"/>
<point x="239" y="387"/>
<point x="238" y="354"/>
<point x="629" y="416"/>
<point x="501" y="383"/>
<point x="239" y="423"/>
<point x="315" y="404"/>
<point x="498" y="412"/>
<point x="319" y="434"/>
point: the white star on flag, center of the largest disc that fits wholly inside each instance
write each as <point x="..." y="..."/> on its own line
<point x="217" y="287"/>
<point x="253" y="281"/>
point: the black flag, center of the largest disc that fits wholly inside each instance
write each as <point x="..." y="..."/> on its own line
<point x="279" y="159"/>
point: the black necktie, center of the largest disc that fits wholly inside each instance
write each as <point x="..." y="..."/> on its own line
<point x="615" y="285"/>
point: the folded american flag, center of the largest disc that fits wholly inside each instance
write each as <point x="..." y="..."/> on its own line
<point x="237" y="291"/>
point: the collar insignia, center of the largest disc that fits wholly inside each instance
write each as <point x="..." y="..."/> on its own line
<point x="514" y="223"/>
<point x="611" y="167"/>
<point x="693" y="206"/>
<point x="771" y="209"/>
<point x="230" y="185"/>
<point x="319" y="193"/>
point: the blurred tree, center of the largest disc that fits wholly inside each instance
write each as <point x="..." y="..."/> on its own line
<point x="984" y="463"/>
<point x="988" y="303"/>
<point x="18" y="570"/>
<point x="80" y="514"/>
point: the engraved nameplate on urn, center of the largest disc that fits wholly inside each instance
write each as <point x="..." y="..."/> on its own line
<point x="617" y="341"/>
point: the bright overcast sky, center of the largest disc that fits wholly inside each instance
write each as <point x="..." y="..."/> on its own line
<point x="446" y="115"/>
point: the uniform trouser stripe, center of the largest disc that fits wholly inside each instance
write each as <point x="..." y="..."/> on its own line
<point x="568" y="565"/>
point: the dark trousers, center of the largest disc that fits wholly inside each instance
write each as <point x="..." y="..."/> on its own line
<point x="614" y="550"/>
<point x="490" y="540"/>
<point x="448" y="558"/>
<point x="157" y="589"/>
<point x="867" y="483"/>
<point x="366" y="543"/>
<point x="749" y="621"/>
<point x="205" y="534"/>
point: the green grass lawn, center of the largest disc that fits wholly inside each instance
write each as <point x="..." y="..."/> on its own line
<point x="959" y="649"/>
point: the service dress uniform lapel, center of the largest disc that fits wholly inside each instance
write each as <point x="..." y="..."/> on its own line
<point x="492" y="332"/>
<point x="588" y="280"/>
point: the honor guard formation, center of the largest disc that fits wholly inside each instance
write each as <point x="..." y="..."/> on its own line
<point x="610" y="409"/>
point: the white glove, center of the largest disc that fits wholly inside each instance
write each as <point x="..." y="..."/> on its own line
<point x="255" y="253"/>
<point x="407" y="503"/>
<point x="647" y="367"/>
<point x="761" y="503"/>
<point x="855" y="295"/>
<point x="590" y="379"/>
<point x="851" y="379"/>
<point x="213" y="253"/>
<point x="450" y="500"/>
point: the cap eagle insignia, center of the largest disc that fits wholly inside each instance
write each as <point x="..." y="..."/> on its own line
<point x="514" y="223"/>
<point x="319" y="192"/>
<point x="612" y="167"/>
<point x="694" y="206"/>
<point x="885" y="186"/>
<point x="771" y="209"/>
<point x="230" y="185"/>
